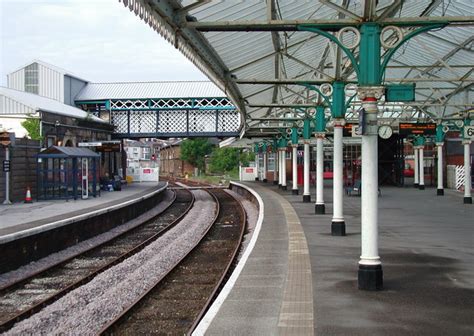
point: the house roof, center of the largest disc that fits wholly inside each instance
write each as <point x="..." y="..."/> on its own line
<point x="140" y="90"/>
<point x="39" y="103"/>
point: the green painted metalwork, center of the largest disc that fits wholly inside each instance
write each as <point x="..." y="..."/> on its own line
<point x="264" y="147"/>
<point x="294" y="135"/>
<point x="320" y="120"/>
<point x="439" y="134"/>
<point x="275" y="144"/>
<point x="314" y="29"/>
<point x="307" y="129"/>
<point x="256" y="148"/>
<point x="369" y="55"/>
<point x="400" y="92"/>
<point x="312" y="87"/>
<point x="107" y="104"/>
<point x="392" y="51"/>
<point x="338" y="107"/>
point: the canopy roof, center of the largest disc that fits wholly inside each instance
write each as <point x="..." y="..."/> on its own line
<point x="254" y="51"/>
<point x="141" y="90"/>
<point x="65" y="152"/>
<point x="20" y="102"/>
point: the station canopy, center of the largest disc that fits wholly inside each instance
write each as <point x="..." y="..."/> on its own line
<point x="258" y="54"/>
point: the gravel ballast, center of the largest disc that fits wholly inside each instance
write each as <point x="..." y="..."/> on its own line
<point x="87" y="309"/>
<point x="54" y="258"/>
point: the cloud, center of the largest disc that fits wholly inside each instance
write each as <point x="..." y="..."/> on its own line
<point x="97" y="40"/>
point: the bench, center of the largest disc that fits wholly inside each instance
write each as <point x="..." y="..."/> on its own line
<point x="356" y="188"/>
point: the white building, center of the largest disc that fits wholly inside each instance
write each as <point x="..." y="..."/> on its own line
<point x="46" y="80"/>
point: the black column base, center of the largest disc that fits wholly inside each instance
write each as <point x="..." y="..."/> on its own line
<point x="279" y="186"/>
<point x="275" y="182"/>
<point x="284" y="187"/>
<point x="415" y="185"/>
<point x="421" y="187"/>
<point x="338" y="229"/>
<point x="467" y="200"/>
<point x="319" y="209"/>
<point x="306" y="198"/>
<point x="256" y="179"/>
<point x="294" y="191"/>
<point x="440" y="192"/>
<point x="370" y="277"/>
<point x="265" y="180"/>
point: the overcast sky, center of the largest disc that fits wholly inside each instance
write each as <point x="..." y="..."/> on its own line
<point x="98" y="40"/>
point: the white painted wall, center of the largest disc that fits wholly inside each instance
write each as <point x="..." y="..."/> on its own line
<point x="16" y="80"/>
<point x="51" y="83"/>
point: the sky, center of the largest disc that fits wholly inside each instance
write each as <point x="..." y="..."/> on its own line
<point x="97" y="40"/>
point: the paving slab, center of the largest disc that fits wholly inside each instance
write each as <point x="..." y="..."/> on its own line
<point x="426" y="247"/>
<point x="20" y="216"/>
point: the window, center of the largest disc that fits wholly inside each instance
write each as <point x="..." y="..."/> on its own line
<point x="31" y="78"/>
<point x="271" y="162"/>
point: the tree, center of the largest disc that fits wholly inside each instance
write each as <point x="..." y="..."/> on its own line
<point x="194" y="151"/>
<point x="225" y="159"/>
<point x="32" y="126"/>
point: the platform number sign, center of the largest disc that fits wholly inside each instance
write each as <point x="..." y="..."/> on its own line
<point x="469" y="132"/>
<point x="6" y="165"/>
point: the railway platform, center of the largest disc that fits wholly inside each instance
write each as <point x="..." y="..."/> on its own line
<point x="20" y="217"/>
<point x="300" y="280"/>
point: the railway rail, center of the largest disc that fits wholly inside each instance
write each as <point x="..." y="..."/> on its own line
<point x="26" y="296"/>
<point x="177" y="301"/>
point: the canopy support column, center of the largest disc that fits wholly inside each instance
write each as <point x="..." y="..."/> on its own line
<point x="440" y="190"/>
<point x="417" y="166"/>
<point x="306" y="193"/>
<point x="319" y="207"/>
<point x="264" y="167"/>
<point x="294" y="191"/>
<point x="467" y="172"/>
<point x="422" y="168"/>
<point x="338" y="226"/>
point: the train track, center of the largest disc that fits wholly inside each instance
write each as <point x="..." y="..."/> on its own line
<point x="27" y="296"/>
<point x="176" y="302"/>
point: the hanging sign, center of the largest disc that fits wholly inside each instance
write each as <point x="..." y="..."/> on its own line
<point x="469" y="132"/>
<point x="417" y="128"/>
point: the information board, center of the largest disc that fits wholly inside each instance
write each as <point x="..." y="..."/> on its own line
<point x="417" y="128"/>
<point x="469" y="132"/>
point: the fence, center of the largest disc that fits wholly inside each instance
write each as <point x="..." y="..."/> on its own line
<point x="22" y="169"/>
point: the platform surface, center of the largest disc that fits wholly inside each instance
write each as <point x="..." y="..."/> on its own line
<point x="426" y="247"/>
<point x="20" y="216"/>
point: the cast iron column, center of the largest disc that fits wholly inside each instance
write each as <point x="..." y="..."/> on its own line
<point x="338" y="226"/>
<point x="319" y="207"/>
<point x="306" y="193"/>
<point x="422" y="168"/>
<point x="467" y="172"/>
<point x="440" y="190"/>
<point x="370" y="276"/>
<point x="294" y="191"/>
<point x="417" y="166"/>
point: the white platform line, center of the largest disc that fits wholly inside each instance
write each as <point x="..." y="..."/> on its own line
<point x="214" y="309"/>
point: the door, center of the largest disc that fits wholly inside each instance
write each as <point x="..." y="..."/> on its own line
<point x="85" y="177"/>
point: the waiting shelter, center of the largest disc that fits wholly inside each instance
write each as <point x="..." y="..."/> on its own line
<point x="67" y="172"/>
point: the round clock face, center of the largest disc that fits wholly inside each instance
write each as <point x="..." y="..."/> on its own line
<point x="385" y="131"/>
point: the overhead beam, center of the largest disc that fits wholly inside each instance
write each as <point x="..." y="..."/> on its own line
<point x="329" y="25"/>
<point x="251" y="81"/>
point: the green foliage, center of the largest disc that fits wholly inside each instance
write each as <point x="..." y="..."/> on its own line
<point x="224" y="159"/>
<point x="32" y="126"/>
<point x="246" y="157"/>
<point x="194" y="151"/>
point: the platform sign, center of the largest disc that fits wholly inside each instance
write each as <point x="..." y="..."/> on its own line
<point x="417" y="128"/>
<point x="347" y="129"/>
<point x="469" y="132"/>
<point x="6" y="165"/>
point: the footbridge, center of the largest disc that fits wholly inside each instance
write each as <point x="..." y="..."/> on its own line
<point x="162" y="109"/>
